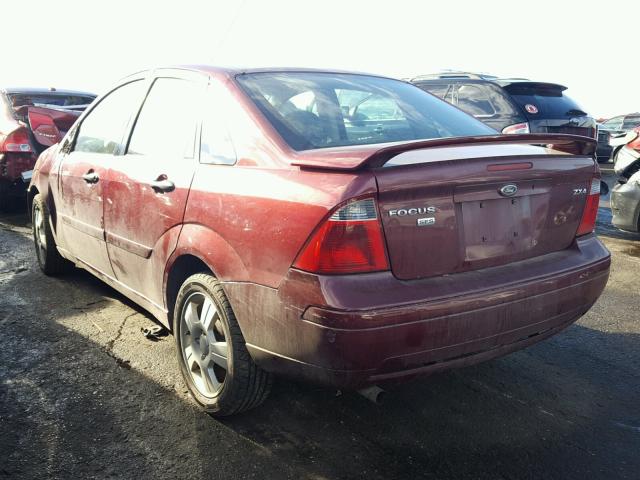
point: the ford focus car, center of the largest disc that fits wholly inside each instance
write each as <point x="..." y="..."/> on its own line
<point x="346" y="229"/>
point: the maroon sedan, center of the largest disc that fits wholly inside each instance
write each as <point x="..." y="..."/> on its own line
<point x="342" y="228"/>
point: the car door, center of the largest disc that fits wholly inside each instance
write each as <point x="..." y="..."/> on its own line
<point x="147" y="188"/>
<point x="92" y="145"/>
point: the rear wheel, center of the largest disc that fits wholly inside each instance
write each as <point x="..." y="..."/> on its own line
<point x="49" y="259"/>
<point x="214" y="360"/>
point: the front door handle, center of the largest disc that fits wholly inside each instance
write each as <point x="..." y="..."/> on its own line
<point x="163" y="185"/>
<point x="91" y="177"/>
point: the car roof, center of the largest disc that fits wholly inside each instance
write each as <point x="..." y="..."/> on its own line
<point x="233" y="71"/>
<point x="51" y="90"/>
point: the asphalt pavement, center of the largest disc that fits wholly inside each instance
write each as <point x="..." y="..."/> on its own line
<point x="83" y="394"/>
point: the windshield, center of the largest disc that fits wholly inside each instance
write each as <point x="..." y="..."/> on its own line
<point x="320" y="110"/>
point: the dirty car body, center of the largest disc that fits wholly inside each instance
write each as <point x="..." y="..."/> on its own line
<point x="362" y="230"/>
<point x="31" y="120"/>
<point x="625" y="195"/>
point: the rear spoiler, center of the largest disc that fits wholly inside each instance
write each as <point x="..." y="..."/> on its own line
<point x="373" y="156"/>
<point x="528" y="85"/>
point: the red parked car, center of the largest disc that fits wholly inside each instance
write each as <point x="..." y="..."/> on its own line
<point x="32" y="119"/>
<point x="342" y="228"/>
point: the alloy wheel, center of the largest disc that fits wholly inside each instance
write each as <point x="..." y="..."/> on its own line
<point x="40" y="233"/>
<point x="203" y="342"/>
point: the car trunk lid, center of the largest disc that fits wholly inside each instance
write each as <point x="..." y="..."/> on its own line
<point x="450" y="210"/>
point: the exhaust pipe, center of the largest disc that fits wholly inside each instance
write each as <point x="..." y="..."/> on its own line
<point x="373" y="393"/>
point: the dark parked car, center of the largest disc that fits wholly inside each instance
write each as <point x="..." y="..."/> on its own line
<point x="30" y="120"/>
<point x="614" y="126"/>
<point x="511" y="105"/>
<point x="342" y="228"/>
<point x="625" y="196"/>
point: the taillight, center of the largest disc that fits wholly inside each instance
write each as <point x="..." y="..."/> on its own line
<point x="17" y="141"/>
<point x="517" y="128"/>
<point x="590" y="212"/>
<point x="349" y="241"/>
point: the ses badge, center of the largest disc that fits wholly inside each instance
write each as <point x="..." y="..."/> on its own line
<point x="424" y="222"/>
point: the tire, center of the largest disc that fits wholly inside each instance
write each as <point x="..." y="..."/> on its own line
<point x="49" y="259"/>
<point x="203" y="337"/>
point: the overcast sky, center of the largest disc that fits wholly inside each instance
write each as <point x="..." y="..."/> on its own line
<point x="591" y="47"/>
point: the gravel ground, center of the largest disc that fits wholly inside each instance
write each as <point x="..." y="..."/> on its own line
<point x="84" y="395"/>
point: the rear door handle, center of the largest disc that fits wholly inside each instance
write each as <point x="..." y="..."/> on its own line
<point x="163" y="185"/>
<point x="91" y="177"/>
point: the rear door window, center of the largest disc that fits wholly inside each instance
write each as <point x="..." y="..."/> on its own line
<point x="166" y="124"/>
<point x="442" y="91"/>
<point x="475" y="100"/>
<point x="216" y="145"/>
<point x="483" y="100"/>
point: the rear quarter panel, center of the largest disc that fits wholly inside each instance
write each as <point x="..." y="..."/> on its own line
<point x="257" y="219"/>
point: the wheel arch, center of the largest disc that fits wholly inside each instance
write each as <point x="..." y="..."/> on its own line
<point x="199" y="249"/>
<point x="182" y="268"/>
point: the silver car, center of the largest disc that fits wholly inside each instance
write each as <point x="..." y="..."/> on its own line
<point x="625" y="196"/>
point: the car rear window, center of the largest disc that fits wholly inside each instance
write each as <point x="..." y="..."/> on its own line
<point x="630" y="122"/>
<point x="550" y="100"/>
<point x="320" y="110"/>
<point x="58" y="100"/>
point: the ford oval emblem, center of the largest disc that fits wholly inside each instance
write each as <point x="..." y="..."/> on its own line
<point x="508" y="190"/>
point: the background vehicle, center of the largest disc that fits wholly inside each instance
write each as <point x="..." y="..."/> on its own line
<point x="613" y="127"/>
<point x="341" y="228"/>
<point x="625" y="195"/>
<point x="511" y="105"/>
<point x="30" y="120"/>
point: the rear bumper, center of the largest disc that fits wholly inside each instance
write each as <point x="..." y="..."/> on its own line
<point x="625" y="206"/>
<point x="456" y="322"/>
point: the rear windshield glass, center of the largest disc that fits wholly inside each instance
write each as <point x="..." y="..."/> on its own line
<point x="319" y="110"/>
<point x="58" y="100"/>
<point x="630" y="122"/>
<point x="550" y="102"/>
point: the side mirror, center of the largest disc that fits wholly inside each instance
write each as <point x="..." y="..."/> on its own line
<point x="604" y="188"/>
